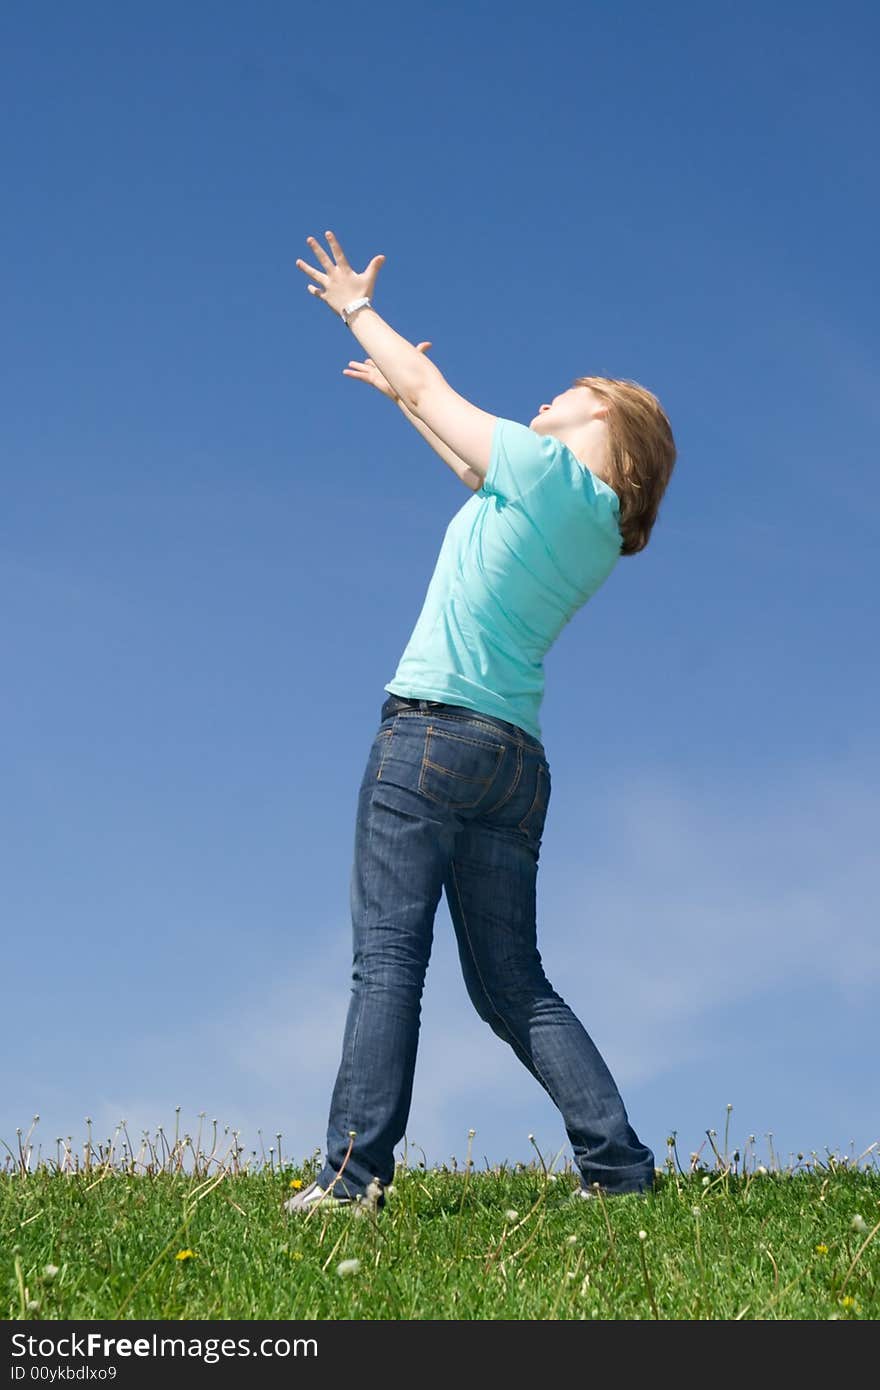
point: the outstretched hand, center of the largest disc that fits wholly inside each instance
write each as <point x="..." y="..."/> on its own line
<point x="338" y="284"/>
<point x="368" y="371"/>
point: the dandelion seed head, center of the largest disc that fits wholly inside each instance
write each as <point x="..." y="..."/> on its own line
<point x="571" y="1240"/>
<point x="511" y="1215"/>
<point x="347" y="1267"/>
<point x="761" y="1169"/>
<point x="706" y="1180"/>
<point x="695" y="1211"/>
<point x="859" y="1224"/>
<point x="49" y="1272"/>
<point x="643" y="1235"/>
<point x="33" y="1305"/>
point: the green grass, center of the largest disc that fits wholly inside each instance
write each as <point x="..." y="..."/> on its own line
<point x="730" y="1241"/>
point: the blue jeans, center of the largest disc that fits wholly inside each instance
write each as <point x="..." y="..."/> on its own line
<point x="454" y="799"/>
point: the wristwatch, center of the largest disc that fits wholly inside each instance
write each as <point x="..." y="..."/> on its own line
<point x="347" y="313"/>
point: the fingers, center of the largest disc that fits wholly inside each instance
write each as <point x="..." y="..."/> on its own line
<point x="310" y="270"/>
<point x="319" y="251"/>
<point x="336" y="249"/>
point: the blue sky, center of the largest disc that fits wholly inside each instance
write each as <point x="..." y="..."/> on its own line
<point x="214" y="546"/>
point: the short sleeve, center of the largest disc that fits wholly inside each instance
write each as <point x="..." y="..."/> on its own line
<point x="544" y="477"/>
<point x="519" y="459"/>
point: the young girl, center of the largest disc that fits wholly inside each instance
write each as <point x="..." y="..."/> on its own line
<point x="457" y="783"/>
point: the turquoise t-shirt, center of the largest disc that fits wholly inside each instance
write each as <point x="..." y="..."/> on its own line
<point x="517" y="561"/>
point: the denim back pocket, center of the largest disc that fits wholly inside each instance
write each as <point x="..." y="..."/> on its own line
<point x="382" y="744"/>
<point x="532" y="823"/>
<point x="458" y="769"/>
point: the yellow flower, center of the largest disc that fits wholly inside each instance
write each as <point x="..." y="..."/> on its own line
<point x="296" y="1254"/>
<point x="296" y="1182"/>
<point x="848" y="1301"/>
<point x="821" y="1249"/>
<point x="185" y="1255"/>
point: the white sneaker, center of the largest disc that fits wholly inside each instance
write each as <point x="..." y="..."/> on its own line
<point x="311" y="1196"/>
<point x="588" y="1192"/>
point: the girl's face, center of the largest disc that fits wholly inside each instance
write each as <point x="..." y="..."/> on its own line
<point x="571" y="409"/>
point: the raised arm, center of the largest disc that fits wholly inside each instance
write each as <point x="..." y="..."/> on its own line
<point x="464" y="471"/>
<point x="368" y="372"/>
<point x="441" y="414"/>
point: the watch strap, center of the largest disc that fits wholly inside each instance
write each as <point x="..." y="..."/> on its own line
<point x="349" y="310"/>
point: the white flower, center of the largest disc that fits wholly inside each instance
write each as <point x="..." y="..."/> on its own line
<point x="348" y="1266"/>
<point x="859" y="1224"/>
<point x="511" y="1215"/>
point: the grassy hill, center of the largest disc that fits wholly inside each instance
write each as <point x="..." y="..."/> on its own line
<point x="93" y="1239"/>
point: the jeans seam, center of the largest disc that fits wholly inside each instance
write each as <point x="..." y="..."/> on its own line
<point x="515" y="1043"/>
<point x="463" y="719"/>
<point x="535" y="802"/>
<point x="509" y="793"/>
<point x="462" y="738"/>
<point x="349" y="1080"/>
<point x="387" y="735"/>
<point x="472" y="719"/>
